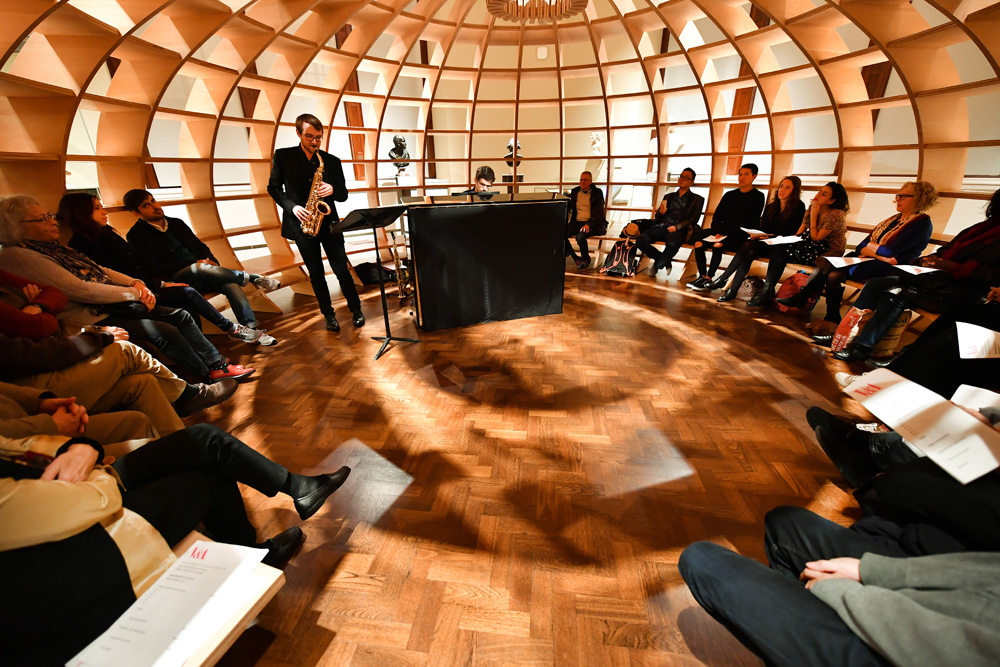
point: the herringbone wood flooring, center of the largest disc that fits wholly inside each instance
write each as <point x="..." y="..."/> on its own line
<point x="521" y="491"/>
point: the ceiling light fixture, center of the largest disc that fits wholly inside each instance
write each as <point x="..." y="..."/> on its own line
<point x="535" y="11"/>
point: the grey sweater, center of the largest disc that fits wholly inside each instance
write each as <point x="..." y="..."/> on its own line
<point x="928" y="610"/>
<point x="36" y="266"/>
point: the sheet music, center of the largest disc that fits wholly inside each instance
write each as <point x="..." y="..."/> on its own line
<point x="753" y="232"/>
<point x="916" y="270"/>
<point x="976" y="342"/>
<point x="715" y="238"/>
<point x="782" y="240"/>
<point x="961" y="444"/>
<point x="975" y="398"/>
<point x="840" y="262"/>
<point x="180" y="612"/>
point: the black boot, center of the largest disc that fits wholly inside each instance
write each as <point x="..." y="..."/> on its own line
<point x="764" y="298"/>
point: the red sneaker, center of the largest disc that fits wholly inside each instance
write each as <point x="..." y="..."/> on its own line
<point x="235" y="371"/>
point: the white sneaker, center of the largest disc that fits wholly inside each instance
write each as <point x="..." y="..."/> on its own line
<point x="246" y="334"/>
<point x="844" y="379"/>
<point x="267" y="283"/>
<point x="267" y="339"/>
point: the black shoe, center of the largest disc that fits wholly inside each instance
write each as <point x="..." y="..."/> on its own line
<point x="359" y="319"/>
<point x="207" y="396"/>
<point x="797" y="301"/>
<point x="657" y="265"/>
<point x="728" y="295"/>
<point x="282" y="547"/>
<point x="578" y="262"/>
<point x="854" y="463"/>
<point x="763" y="299"/>
<point x="821" y="339"/>
<point x="718" y="284"/>
<point x="698" y="283"/>
<point x="331" y="323"/>
<point x="839" y="426"/>
<point x="309" y="504"/>
<point x="584" y="264"/>
<point x="881" y="362"/>
<point x="854" y="352"/>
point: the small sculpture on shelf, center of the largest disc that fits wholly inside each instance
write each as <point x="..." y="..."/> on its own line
<point x="399" y="152"/>
<point x="510" y="153"/>
<point x="596" y="143"/>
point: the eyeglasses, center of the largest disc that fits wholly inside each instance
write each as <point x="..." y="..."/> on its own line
<point x="44" y="218"/>
<point x="684" y="178"/>
<point x="902" y="197"/>
<point x="312" y="137"/>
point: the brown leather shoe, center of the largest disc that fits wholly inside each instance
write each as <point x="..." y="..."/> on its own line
<point x="207" y="396"/>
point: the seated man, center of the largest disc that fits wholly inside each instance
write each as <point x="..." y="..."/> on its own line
<point x="483" y="181"/>
<point x="105" y="375"/>
<point x="586" y="218"/>
<point x="870" y="609"/>
<point x="28" y="411"/>
<point x="738" y="209"/>
<point x="172" y="253"/>
<point x="673" y="223"/>
<point x="169" y="487"/>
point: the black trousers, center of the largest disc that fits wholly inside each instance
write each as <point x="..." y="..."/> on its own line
<point x="189" y="477"/>
<point x="597" y="228"/>
<point x="729" y="244"/>
<point x="672" y="242"/>
<point x="311" y="248"/>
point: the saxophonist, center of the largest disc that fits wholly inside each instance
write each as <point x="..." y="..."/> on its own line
<point x="290" y="185"/>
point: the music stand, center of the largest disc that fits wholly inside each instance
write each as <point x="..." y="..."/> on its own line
<point x="376" y="218"/>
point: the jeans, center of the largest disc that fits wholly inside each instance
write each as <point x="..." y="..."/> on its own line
<point x="194" y="303"/>
<point x="204" y="277"/>
<point x="175" y="333"/>
<point x="311" y="247"/>
<point x="771" y="614"/>
<point x="189" y="477"/>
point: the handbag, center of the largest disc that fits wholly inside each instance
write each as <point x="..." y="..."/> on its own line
<point x="749" y="288"/>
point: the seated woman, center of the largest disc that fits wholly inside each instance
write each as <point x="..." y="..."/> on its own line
<point x="782" y="217"/>
<point x="968" y="266"/>
<point x="85" y="216"/>
<point x="80" y="578"/>
<point x="823" y="232"/>
<point x="31" y="248"/>
<point x="896" y="240"/>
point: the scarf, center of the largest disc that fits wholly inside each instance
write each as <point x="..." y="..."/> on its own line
<point x="889" y="228"/>
<point x="75" y="262"/>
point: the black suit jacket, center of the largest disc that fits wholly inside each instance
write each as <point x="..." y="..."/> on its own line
<point x="291" y="181"/>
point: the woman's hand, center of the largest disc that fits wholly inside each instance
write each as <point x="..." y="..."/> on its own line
<point x="117" y="332"/>
<point x="935" y="262"/>
<point x="146" y="297"/>
<point x="867" y="251"/>
<point x="72" y="466"/>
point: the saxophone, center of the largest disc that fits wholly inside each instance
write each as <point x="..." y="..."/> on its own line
<point x="318" y="209"/>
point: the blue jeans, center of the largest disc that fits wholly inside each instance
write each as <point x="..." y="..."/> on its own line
<point x="194" y="303"/>
<point x="175" y="333"/>
<point x="204" y="277"/>
<point x="771" y="614"/>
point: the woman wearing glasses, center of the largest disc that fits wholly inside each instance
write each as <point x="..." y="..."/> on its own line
<point x="899" y="239"/>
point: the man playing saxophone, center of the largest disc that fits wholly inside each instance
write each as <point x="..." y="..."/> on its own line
<point x="291" y="185"/>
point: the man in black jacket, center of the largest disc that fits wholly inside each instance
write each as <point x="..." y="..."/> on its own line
<point x="173" y="254"/>
<point x="673" y="223"/>
<point x="292" y="173"/>
<point x="586" y="218"/>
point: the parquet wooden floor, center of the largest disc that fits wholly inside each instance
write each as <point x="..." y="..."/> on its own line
<point x="521" y="491"/>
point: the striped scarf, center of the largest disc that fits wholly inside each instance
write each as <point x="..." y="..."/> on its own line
<point x="75" y="262"/>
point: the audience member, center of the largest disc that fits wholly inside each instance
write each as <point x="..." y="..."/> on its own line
<point x="967" y="267"/>
<point x="86" y="218"/>
<point x="823" y="232"/>
<point x="172" y="253"/>
<point x="738" y="209"/>
<point x="169" y="487"/>
<point x="782" y="217"/>
<point x="899" y="239"/>
<point x="586" y="218"/>
<point x="31" y="248"/>
<point x="104" y="375"/>
<point x="674" y="222"/>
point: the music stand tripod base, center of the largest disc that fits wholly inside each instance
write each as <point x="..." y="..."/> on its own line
<point x="375" y="218"/>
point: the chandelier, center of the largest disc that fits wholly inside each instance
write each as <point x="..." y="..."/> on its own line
<point x="535" y="11"/>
